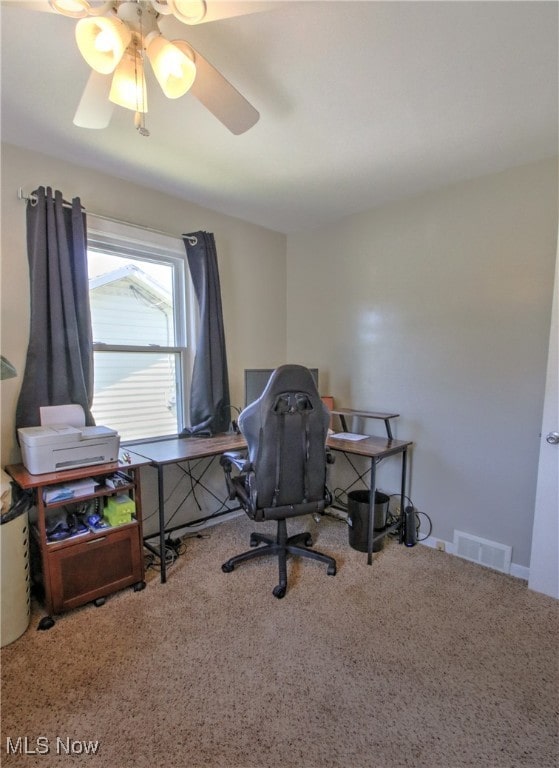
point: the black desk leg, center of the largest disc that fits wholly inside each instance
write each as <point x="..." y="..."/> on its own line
<point x="161" y="497"/>
<point x="403" y="496"/>
<point x="370" y="532"/>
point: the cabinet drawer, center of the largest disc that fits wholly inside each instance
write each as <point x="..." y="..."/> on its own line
<point x="95" y="568"/>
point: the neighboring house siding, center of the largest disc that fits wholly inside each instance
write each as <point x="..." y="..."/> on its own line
<point x="137" y="394"/>
<point x="137" y="319"/>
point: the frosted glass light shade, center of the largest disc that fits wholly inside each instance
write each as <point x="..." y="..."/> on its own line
<point x="102" y="42"/>
<point x="128" y="88"/>
<point x="188" y="11"/>
<point x="75" y="9"/>
<point x="174" y="71"/>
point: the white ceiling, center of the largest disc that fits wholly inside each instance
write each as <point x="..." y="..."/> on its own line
<point x="360" y="103"/>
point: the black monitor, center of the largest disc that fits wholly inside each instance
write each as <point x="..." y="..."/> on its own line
<point x="257" y="378"/>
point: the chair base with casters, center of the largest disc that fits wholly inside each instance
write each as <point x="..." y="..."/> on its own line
<point x="281" y="546"/>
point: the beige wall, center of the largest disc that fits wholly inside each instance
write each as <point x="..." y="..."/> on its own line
<point x="251" y="262"/>
<point x="438" y="308"/>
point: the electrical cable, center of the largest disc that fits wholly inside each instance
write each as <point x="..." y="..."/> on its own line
<point x="399" y="496"/>
<point x="418" y="525"/>
<point x="150" y="561"/>
<point x="338" y="494"/>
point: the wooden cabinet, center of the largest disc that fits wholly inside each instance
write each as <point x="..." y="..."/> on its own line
<point x="87" y="566"/>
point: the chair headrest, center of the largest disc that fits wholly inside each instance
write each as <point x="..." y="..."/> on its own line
<point x="289" y="378"/>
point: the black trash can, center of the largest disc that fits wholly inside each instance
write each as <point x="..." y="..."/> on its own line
<point x="358" y="518"/>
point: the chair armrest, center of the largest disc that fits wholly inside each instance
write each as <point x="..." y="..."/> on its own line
<point x="235" y="459"/>
<point x="238" y="484"/>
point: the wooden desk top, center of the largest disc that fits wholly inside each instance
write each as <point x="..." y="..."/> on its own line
<point x="372" y="447"/>
<point x="187" y="448"/>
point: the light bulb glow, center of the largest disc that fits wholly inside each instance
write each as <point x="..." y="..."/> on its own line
<point x="174" y="71"/>
<point x="128" y="88"/>
<point x="171" y="64"/>
<point x="102" y="42"/>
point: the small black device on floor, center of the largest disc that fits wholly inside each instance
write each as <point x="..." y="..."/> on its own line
<point x="410" y="530"/>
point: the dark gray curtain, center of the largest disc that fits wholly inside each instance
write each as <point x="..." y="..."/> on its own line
<point x="59" y="364"/>
<point x="209" y="392"/>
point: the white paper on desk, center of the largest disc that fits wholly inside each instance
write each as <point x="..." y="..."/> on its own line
<point x="348" y="436"/>
<point x="72" y="415"/>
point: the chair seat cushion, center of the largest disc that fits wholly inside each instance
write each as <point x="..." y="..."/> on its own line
<point x="288" y="510"/>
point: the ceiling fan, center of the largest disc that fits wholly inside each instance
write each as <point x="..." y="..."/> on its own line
<point x="118" y="37"/>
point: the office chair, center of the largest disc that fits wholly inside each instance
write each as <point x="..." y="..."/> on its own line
<point x="283" y="474"/>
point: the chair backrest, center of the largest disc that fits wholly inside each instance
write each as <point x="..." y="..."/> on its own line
<point x="286" y="431"/>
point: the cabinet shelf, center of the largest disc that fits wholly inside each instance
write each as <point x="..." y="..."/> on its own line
<point x="78" y="538"/>
<point x="102" y="491"/>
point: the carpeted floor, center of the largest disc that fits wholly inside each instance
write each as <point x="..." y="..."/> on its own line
<point x="420" y="660"/>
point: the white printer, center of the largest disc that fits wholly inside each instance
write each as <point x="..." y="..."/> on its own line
<point x="64" y="442"/>
<point x="57" y="447"/>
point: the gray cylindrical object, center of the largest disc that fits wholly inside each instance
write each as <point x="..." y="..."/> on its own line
<point x="358" y="518"/>
<point x="15" y="601"/>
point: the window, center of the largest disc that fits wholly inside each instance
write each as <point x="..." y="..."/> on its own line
<point x="141" y="300"/>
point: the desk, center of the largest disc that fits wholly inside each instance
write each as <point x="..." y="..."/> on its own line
<point x="174" y="451"/>
<point x="376" y="449"/>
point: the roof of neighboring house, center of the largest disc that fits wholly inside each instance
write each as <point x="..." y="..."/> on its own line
<point x="135" y="276"/>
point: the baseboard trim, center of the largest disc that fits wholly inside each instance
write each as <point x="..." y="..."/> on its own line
<point x="518" y="571"/>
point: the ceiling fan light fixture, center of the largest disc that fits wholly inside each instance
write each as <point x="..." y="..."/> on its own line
<point x="128" y="87"/>
<point x="188" y="11"/>
<point x="75" y="9"/>
<point x="102" y="42"/>
<point x="162" y="7"/>
<point x="174" y="70"/>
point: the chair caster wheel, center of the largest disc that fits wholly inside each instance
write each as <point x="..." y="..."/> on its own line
<point x="46" y="623"/>
<point x="331" y="570"/>
<point x="308" y="541"/>
<point x="279" y="591"/>
<point x="99" y="602"/>
<point x="253" y="542"/>
<point x="139" y="586"/>
<point x="227" y="567"/>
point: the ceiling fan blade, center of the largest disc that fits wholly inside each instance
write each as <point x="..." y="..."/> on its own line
<point x="95" y="110"/>
<point x="215" y="9"/>
<point x="44" y="6"/>
<point x="227" y="9"/>
<point x="29" y="5"/>
<point x="217" y="94"/>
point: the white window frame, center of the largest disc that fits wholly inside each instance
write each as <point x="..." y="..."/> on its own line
<point x="127" y="240"/>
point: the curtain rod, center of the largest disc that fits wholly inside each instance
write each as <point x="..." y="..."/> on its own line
<point x="34" y="200"/>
